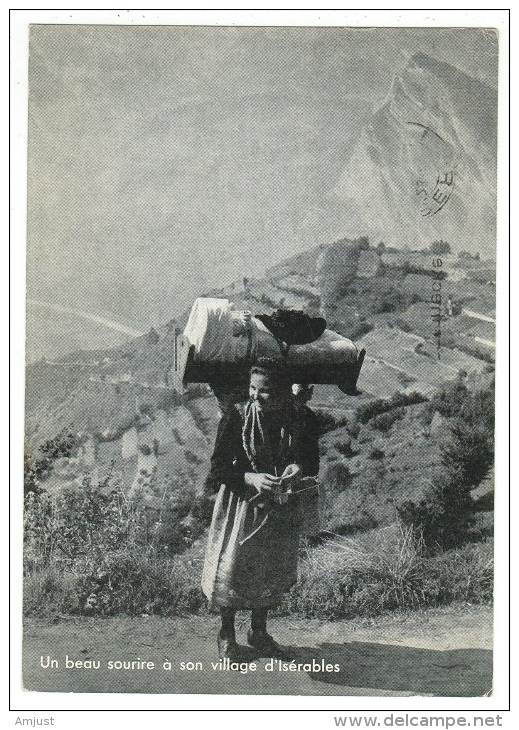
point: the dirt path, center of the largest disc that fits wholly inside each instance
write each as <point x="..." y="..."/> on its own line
<point x="440" y="652"/>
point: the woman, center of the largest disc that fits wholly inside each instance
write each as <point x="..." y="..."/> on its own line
<point x="263" y="450"/>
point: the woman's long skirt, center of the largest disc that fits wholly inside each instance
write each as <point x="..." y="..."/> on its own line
<point x="251" y="556"/>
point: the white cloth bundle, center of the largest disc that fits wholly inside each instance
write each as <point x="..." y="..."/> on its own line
<point x="211" y="328"/>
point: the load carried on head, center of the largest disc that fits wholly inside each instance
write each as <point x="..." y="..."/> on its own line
<point x="219" y="344"/>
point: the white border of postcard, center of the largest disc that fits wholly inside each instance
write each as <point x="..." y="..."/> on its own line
<point x="64" y="707"/>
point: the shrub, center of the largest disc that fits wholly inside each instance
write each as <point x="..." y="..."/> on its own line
<point x="390" y="300"/>
<point x="92" y="521"/>
<point x="407" y="399"/>
<point x="90" y="548"/>
<point x="327" y="421"/>
<point x="51" y="590"/>
<point x="367" y="411"/>
<point x="444" y="516"/>
<point x="439" y="247"/>
<point x="337" y="477"/>
<point x="35" y="471"/>
<point x="464" y="574"/>
<point x="376" y="454"/>
<point x="385" y="570"/>
<point x="344" y="448"/>
<point x="129" y="582"/>
<point x="449" y="400"/>
<point x="354" y="429"/>
<point x="384" y="421"/>
<point x="134" y="583"/>
<point x="469" y="452"/>
<point x="354" y="521"/>
<point x="362" y="328"/>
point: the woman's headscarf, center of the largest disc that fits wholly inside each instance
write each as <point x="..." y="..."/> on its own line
<point x="262" y="454"/>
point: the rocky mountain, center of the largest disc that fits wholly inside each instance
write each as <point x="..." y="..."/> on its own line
<point x="424" y="168"/>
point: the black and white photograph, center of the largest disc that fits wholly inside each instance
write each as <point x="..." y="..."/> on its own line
<point x="260" y="360"/>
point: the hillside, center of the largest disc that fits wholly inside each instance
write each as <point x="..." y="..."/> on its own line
<point x="127" y="423"/>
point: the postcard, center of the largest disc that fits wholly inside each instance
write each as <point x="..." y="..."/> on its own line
<point x="261" y="361"/>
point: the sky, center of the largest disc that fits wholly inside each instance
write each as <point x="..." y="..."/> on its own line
<point x="165" y="161"/>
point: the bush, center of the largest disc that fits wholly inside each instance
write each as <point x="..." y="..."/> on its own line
<point x="327" y="421"/>
<point x="129" y="582"/>
<point x="359" y="330"/>
<point x="367" y="411"/>
<point x="337" y="478"/>
<point x="384" y="421"/>
<point x="448" y="401"/>
<point x="344" y="578"/>
<point x="386" y="570"/>
<point x="407" y="399"/>
<point x="464" y="574"/>
<point x="469" y="452"/>
<point x="91" y="549"/>
<point x="344" y="448"/>
<point x="440" y="247"/>
<point x="35" y="471"/>
<point x="376" y="454"/>
<point x="90" y="522"/>
<point x="390" y="300"/>
<point x="135" y="584"/>
<point x="444" y="516"/>
<point x="51" y="590"/>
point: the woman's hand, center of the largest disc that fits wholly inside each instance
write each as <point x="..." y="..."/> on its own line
<point x="262" y="483"/>
<point x="292" y="475"/>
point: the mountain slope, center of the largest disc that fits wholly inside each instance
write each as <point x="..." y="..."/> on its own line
<point x="425" y="167"/>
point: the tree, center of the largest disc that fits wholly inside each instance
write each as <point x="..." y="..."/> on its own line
<point x="439" y="247"/>
<point x="469" y="452"/>
<point x="37" y="470"/>
<point x="443" y="517"/>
